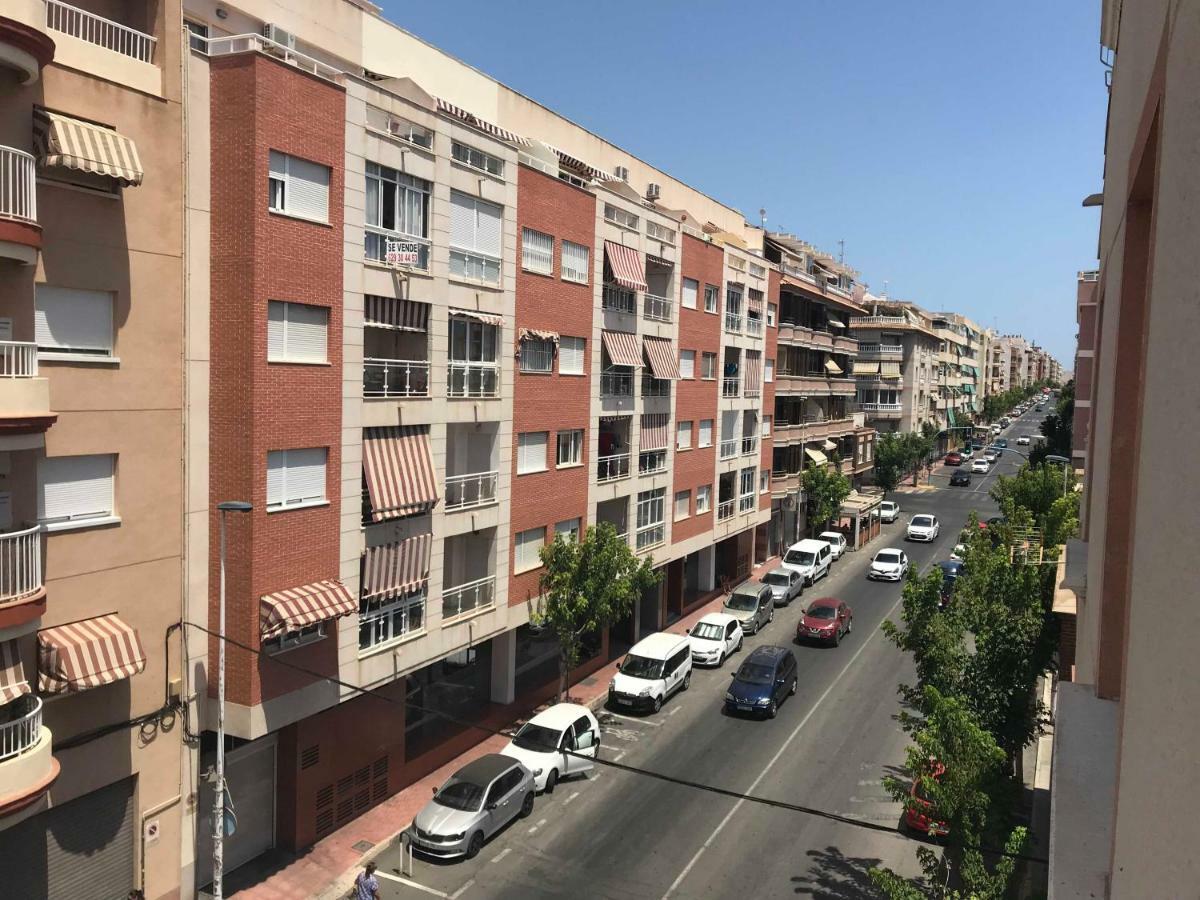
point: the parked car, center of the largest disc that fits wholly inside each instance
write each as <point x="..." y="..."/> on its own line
<point x="785" y="584"/>
<point x="981" y="467"/>
<point x="825" y="620"/>
<point x="996" y="429"/>
<point x="966" y="452"/>
<point x="952" y="570"/>
<point x="810" y="557"/>
<point x="1023" y="441"/>
<point x="752" y="604"/>
<point x="959" y="552"/>
<point x="559" y="741"/>
<point x="995" y="520"/>
<point x="474" y="803"/>
<point x="763" y="681"/>
<point x="888" y="565"/>
<point x="961" y="478"/>
<point x="923" y="528"/>
<point x="888" y="510"/>
<point x="920" y="815"/>
<point x="654" y="668"/>
<point x="836" y="541"/>
<point x="1005" y="422"/>
<point x="714" y="639"/>
<point x="953" y="458"/>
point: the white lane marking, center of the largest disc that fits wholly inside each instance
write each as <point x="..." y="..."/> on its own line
<point x="674" y="710"/>
<point x="774" y="759"/>
<point x="408" y="882"/>
<point x="572" y="797"/>
<point x="462" y="890"/>
<point x="623" y="734"/>
<point x="637" y="721"/>
<point x="620" y="756"/>
<point x="503" y="853"/>
<point x="532" y="830"/>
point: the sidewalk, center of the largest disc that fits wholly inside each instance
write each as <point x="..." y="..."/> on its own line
<point x="327" y="869"/>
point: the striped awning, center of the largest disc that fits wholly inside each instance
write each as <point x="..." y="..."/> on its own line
<point x="829" y="446"/>
<point x="655" y="431"/>
<point x="396" y="314"/>
<point x="399" y="568"/>
<point x="580" y="166"/>
<point x="12" y="674"/>
<point x="622" y="348"/>
<point x="302" y="606"/>
<point x="754" y="301"/>
<point x="445" y="106"/>
<point x="889" y="369"/>
<point x="866" y="368"/>
<point x="659" y="261"/>
<point x="816" y="456"/>
<point x="625" y="266"/>
<point x="661" y="354"/>
<point x="398" y="468"/>
<point x="74" y="144"/>
<point x="832" y="367"/>
<point x="484" y="317"/>
<point x="534" y="334"/>
<point x="753" y="371"/>
<point x="950" y="418"/>
<point x="88" y="654"/>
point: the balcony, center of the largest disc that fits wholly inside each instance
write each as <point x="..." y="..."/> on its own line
<point x="468" y="598"/>
<point x="25" y="48"/>
<point x="731" y="386"/>
<point x="655" y="387"/>
<point x="24" y="397"/>
<point x="651" y="462"/>
<point x="651" y="536"/>
<point x="27" y="766"/>
<point x="813" y="384"/>
<point x="754" y="390"/>
<point x="612" y="468"/>
<point x="657" y="309"/>
<point x="879" y="322"/>
<point x="725" y="509"/>
<point x="471" y="491"/>
<point x="473" y="380"/>
<point x="103" y="47"/>
<point x="845" y="345"/>
<point x="395" y="378"/>
<point x="102" y="32"/>
<point x="617" y="298"/>
<point x="395" y="250"/>
<point x="746" y="503"/>
<point x="616" y="384"/>
<point x="729" y="448"/>
<point x="733" y="322"/>
<point x="749" y="444"/>
<point x="881" y="410"/>
<point x="20" y="234"/>
<point x="21" y="579"/>
<point x="754" y="327"/>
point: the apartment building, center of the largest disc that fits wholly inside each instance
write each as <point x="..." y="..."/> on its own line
<point x="91" y="502"/>
<point x="901" y="337"/>
<point x="1124" y="785"/>
<point x="960" y="381"/>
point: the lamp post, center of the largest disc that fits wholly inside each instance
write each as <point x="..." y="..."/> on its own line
<point x="218" y="814"/>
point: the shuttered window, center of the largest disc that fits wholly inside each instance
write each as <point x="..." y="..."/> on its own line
<point x="537" y="252"/>
<point x="691" y="292"/>
<point x="73" y="321"/>
<point x="570" y="355"/>
<point x="687" y="363"/>
<point x="574" y="265"/>
<point x="298" y="187"/>
<point x="475" y="228"/>
<point x="706" y="433"/>
<point x="71" y="488"/>
<point x="295" y="477"/>
<point x="527" y="552"/>
<point x="297" y="332"/>
<point x="531" y="452"/>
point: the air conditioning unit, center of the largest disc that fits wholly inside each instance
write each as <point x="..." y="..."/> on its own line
<point x="621" y="172"/>
<point x="653" y="191"/>
<point x="279" y="36"/>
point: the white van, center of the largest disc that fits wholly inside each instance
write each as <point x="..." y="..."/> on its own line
<point x="811" y="558"/>
<point x="654" y="668"/>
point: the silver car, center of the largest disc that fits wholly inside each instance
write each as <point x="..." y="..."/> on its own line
<point x="474" y="803"/>
<point x="752" y="604"/>
<point x="785" y="584"/>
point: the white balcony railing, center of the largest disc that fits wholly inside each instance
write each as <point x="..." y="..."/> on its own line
<point x="100" y="31"/>
<point x="725" y="509"/>
<point x="473" y="379"/>
<point x="18" y="359"/>
<point x="652" y="461"/>
<point x="745" y="503"/>
<point x="18" y="176"/>
<point x="469" y="491"/>
<point x="873" y="321"/>
<point x="733" y="322"/>
<point x="469" y="597"/>
<point x="729" y="448"/>
<point x="21" y="733"/>
<point x="20" y="564"/>
<point x="241" y="43"/>
<point x="651" y="536"/>
<point x="616" y="384"/>
<point x="749" y="444"/>
<point x="659" y="309"/>
<point x="610" y="468"/>
<point x="377" y="242"/>
<point x="731" y="386"/>
<point x="395" y="377"/>
<point x="621" y="299"/>
<point x="880" y="407"/>
<point x="754" y="327"/>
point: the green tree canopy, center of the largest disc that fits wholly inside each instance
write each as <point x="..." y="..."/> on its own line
<point x="891" y="457"/>
<point x="825" y="487"/>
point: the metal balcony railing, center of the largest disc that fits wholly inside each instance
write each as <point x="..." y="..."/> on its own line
<point x="473" y="379"/>
<point x="651" y="462"/>
<point x="729" y="448"/>
<point x="616" y="384"/>
<point x="612" y="467"/>
<point x="469" y="597"/>
<point x="100" y="31"/>
<point x="746" y="503"/>
<point x="731" y="386"/>
<point x="733" y="322"/>
<point x="754" y="327"/>
<point x="18" y="179"/>
<point x="618" y="298"/>
<point x="377" y="242"/>
<point x="655" y="387"/>
<point x="725" y="509"/>
<point x="469" y="491"/>
<point x="395" y="377"/>
<point x="651" y="536"/>
<point x="19" y="735"/>
<point x="18" y="359"/>
<point x="658" y="309"/>
<point x="749" y="444"/>
<point x="20" y="564"/>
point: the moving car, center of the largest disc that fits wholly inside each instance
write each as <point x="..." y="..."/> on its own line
<point x="752" y="604"/>
<point x="953" y="458"/>
<point x="1002" y="443"/>
<point x="474" y="803"/>
<point x="888" y="565"/>
<point x="981" y="467"/>
<point x="952" y="570"/>
<point x="714" y="638"/>
<point x="1023" y="441"/>
<point x="989" y="455"/>
<point x="810" y="557"/>
<point x="961" y="478"/>
<point x="559" y="741"/>
<point x="966" y="452"/>
<point x="923" y="528"/>
<point x="836" y="541"/>
<point x="888" y="510"/>
<point x="785" y="584"/>
<point x="763" y="681"/>
<point x="996" y="428"/>
<point x="825" y="620"/>
<point x="654" y="668"/>
<point x="920" y="815"/>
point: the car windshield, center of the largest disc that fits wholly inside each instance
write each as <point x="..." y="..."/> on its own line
<point x="742" y="602"/>
<point x="776" y="578"/>
<point x="755" y="673"/>
<point x="538" y="738"/>
<point x="888" y="557"/>
<point x="709" y="631"/>
<point x="641" y="667"/>
<point x="820" y="612"/>
<point x="460" y="794"/>
<point x="799" y="557"/>
<point x="922" y="521"/>
<point x="830" y="538"/>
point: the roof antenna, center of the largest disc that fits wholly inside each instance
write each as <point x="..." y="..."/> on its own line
<point x="762" y="219"/>
<point x="841" y="251"/>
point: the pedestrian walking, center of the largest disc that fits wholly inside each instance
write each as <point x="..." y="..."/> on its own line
<point x="366" y="885"/>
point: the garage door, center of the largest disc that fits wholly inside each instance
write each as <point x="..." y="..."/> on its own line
<point x="250" y="772"/>
<point x="82" y="850"/>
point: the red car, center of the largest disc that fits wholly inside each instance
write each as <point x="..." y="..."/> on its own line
<point x="920" y="814"/>
<point x="954" y="458"/>
<point x="825" y="620"/>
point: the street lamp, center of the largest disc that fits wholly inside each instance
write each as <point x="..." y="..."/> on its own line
<point x="218" y="832"/>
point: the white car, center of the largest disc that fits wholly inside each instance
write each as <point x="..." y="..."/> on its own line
<point x="562" y="740"/>
<point x="836" y="542"/>
<point x="714" y="638"/>
<point x="810" y="557"/>
<point x="980" y="467"/>
<point x="1023" y="440"/>
<point x="959" y="553"/>
<point x="923" y="528"/>
<point x="989" y="456"/>
<point x="966" y="452"/>
<point x="654" y="668"/>
<point x="889" y="565"/>
<point x="888" y="510"/>
<point x="995" y="429"/>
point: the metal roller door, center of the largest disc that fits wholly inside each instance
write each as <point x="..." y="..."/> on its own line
<point x="250" y="773"/>
<point x="82" y="850"/>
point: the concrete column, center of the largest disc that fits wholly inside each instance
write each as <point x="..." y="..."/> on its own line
<point x="707" y="568"/>
<point x="504" y="667"/>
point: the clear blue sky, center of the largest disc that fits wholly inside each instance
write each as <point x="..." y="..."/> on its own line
<point x="948" y="143"/>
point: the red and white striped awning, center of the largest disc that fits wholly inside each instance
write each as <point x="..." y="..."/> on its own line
<point x="302" y="606"/>
<point x="88" y="654"/>
<point x="661" y="354"/>
<point x="625" y="266"/>
<point x="655" y="431"/>
<point x="398" y="467"/>
<point x="526" y="334"/>
<point x="474" y="121"/>
<point x="484" y="317"/>
<point x="398" y="315"/>
<point x="754" y="301"/>
<point x="12" y="673"/>
<point x="580" y="166"/>
<point x="399" y="568"/>
<point x="622" y="348"/>
<point x="753" y="370"/>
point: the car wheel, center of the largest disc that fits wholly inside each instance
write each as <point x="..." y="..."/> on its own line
<point x="551" y="781"/>
<point x="837" y="637"/>
<point x="475" y="846"/>
<point x="772" y="710"/>
<point x="657" y="703"/>
<point x="687" y="681"/>
<point x="850" y="625"/>
<point x="721" y="661"/>
<point x="771" y="616"/>
<point x="739" y="646"/>
<point x="795" y="684"/>
<point x="527" y="806"/>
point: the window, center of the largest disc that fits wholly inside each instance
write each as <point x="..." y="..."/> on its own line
<point x="683" y="435"/>
<point x="537" y="355"/>
<point x="397" y="207"/>
<point x="687" y="363"/>
<point x="703" y="498"/>
<point x="76" y="488"/>
<point x="531" y="452"/>
<point x="475" y="227"/>
<point x="297" y="332"/>
<point x="298" y="187"/>
<point x="711" y="293"/>
<point x="708" y="366"/>
<point x="650" y="518"/>
<point x="568" y="528"/>
<point x="772" y="313"/>
<point x="537" y="252"/>
<point x="691" y="292"/>
<point x="769" y="371"/>
<point x="197" y="35"/>
<point x="706" y="433"/>
<point x="764" y="480"/>
<point x="477" y="159"/>
<point x="309" y="634"/>
<point x="573" y="264"/>
<point x="528" y="547"/>
<point x="746" y="489"/>
<point x="295" y="477"/>
<point x="384" y="619"/>
<point x="73" y="323"/>
<point x="570" y="355"/>
<point x="570" y="447"/>
<point x="683" y="504"/>
<point x="618" y="216"/>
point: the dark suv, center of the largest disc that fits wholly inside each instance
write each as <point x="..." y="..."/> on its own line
<point x="762" y="682"/>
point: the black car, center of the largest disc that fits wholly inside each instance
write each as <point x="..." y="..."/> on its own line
<point x="763" y="681"/>
<point x="961" y="478"/>
<point x="952" y="570"/>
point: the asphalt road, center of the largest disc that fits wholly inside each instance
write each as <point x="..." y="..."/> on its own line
<point x="617" y="834"/>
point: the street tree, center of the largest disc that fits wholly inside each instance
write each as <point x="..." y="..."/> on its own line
<point x="826" y="487"/>
<point x="891" y="459"/>
<point x="935" y="638"/>
<point x="1039" y="489"/>
<point x="588" y="584"/>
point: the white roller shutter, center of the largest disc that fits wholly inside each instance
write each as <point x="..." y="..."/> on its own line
<point x="570" y="355"/>
<point x="70" y="320"/>
<point x="306" y="185"/>
<point x="490" y="224"/>
<point x="295" y="476"/>
<point x="462" y="221"/>
<point x="297" y="332"/>
<point x="531" y="452"/>
<point x="75" y="487"/>
<point x="475" y="225"/>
